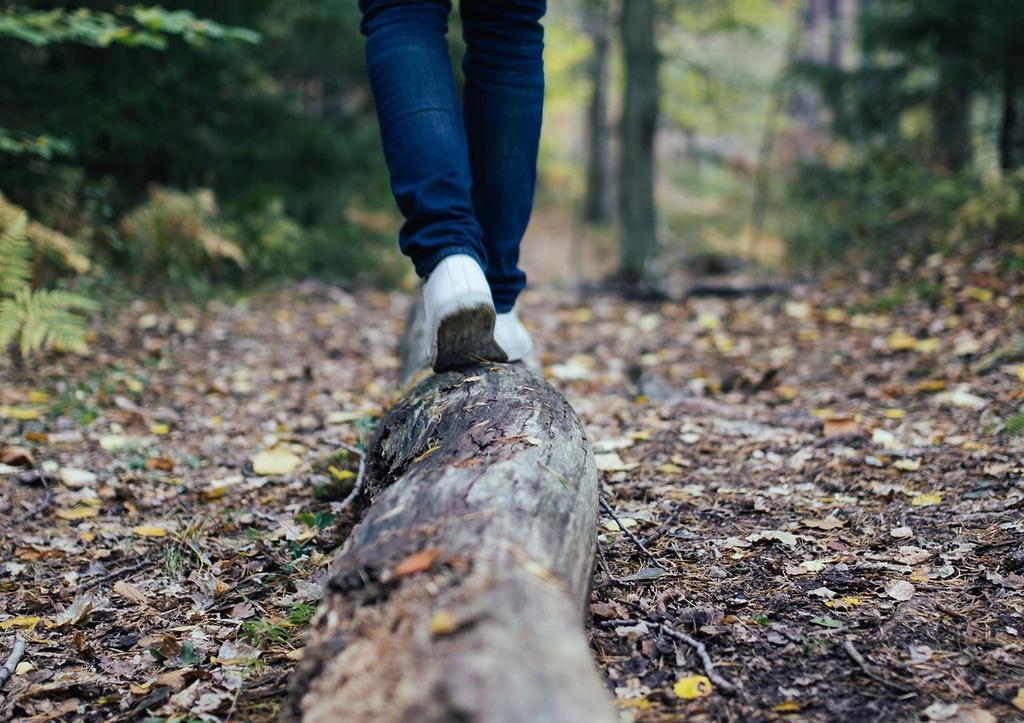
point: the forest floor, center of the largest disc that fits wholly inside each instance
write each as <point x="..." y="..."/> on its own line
<point x="830" y="481"/>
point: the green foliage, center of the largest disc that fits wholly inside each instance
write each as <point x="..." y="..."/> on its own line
<point x="884" y="205"/>
<point x="104" y="102"/>
<point x="33" y="318"/>
<point x="263" y="634"/>
<point x="178" y="237"/>
<point x="131" y="26"/>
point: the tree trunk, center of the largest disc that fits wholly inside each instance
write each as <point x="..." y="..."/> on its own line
<point x="461" y="594"/>
<point x="596" y="207"/>
<point x="1011" y="126"/>
<point x="638" y="242"/>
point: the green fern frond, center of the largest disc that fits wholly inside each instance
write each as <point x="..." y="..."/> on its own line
<point x="43" y="318"/>
<point x="15" y="252"/>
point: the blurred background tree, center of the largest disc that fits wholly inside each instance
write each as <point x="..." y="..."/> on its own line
<point x="206" y="141"/>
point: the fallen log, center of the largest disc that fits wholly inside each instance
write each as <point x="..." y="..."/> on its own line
<point x="460" y="596"/>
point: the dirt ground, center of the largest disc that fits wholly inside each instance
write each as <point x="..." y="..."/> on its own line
<point x="830" y="482"/>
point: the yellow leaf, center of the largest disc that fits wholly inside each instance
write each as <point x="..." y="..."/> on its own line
<point x="38" y="397"/>
<point x="979" y="294"/>
<point x="148" y="531"/>
<point x="1018" y="700"/>
<point x="669" y="468"/>
<point x="790" y="706"/>
<point x="134" y="385"/>
<point x="442" y="623"/>
<point x="907" y="465"/>
<point x="159" y="428"/>
<point x="341" y="474"/>
<point x="77" y="513"/>
<point x="22" y="413"/>
<point x="1020" y="372"/>
<point x="276" y="461"/>
<point x="902" y="341"/>
<point x="926" y="346"/>
<point x="693" y="686"/>
<point x="21" y="621"/>
<point x="24" y="667"/>
<point x="926" y="500"/>
<point x="932" y="385"/>
<point x="709" y="320"/>
<point x="895" y="413"/>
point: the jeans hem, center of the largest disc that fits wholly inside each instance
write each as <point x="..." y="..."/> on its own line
<point x="425" y="265"/>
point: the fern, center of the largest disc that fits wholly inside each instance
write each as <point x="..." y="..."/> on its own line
<point x="15" y="255"/>
<point x="34" y="318"/>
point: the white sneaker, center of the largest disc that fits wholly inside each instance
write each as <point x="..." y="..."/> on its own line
<point x="459" y="314"/>
<point x="512" y="337"/>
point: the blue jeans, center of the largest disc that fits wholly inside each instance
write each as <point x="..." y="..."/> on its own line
<point x="463" y="176"/>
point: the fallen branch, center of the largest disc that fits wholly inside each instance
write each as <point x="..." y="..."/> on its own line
<point x="460" y="594"/>
<point x="11" y="664"/>
<point x="857" y="658"/>
<point x="632" y="538"/>
<point x="357" y="488"/>
<point x="714" y="676"/>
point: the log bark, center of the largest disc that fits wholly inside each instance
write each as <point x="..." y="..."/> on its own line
<point x="461" y="594"/>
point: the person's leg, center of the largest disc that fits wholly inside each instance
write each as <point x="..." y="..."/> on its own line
<point x="422" y="129"/>
<point x="502" y="104"/>
<point x="424" y="139"/>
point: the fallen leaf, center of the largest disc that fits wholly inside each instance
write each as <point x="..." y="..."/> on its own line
<point x="16" y="456"/>
<point x="76" y="478"/>
<point x="149" y="531"/>
<point x="77" y="513"/>
<point x="159" y="428"/>
<point x="827" y="523"/>
<point x="23" y="414"/>
<point x="20" y="621"/>
<point x="114" y="442"/>
<point x="174" y="679"/>
<point x="241" y="611"/>
<point x="835" y="426"/>
<point x="900" y="590"/>
<point x="80" y="607"/>
<point x="442" y="623"/>
<point x="275" y="461"/>
<point x="130" y="592"/>
<point x="1018" y="700"/>
<point x="907" y="465"/>
<point x="612" y="462"/>
<point x="826" y="622"/>
<point x="902" y="341"/>
<point x="926" y="499"/>
<point x="417" y="562"/>
<point x="692" y="687"/>
<point x="790" y="706"/>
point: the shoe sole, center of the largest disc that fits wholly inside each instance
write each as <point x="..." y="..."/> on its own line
<point x="466" y="337"/>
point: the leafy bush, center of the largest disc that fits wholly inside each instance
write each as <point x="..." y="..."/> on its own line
<point x="33" y="318"/>
<point x="885" y="204"/>
<point x="179" y="238"/>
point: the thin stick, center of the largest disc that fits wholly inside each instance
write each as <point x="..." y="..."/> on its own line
<point x="13" y="659"/>
<point x="664" y="526"/>
<point x="702" y="652"/>
<point x="726" y="687"/>
<point x="360" y="475"/>
<point x="856" y="657"/>
<point x="632" y="538"/>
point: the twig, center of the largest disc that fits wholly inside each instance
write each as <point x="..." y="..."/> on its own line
<point x="664" y="526"/>
<point x="714" y="676"/>
<point x="13" y="659"/>
<point x="632" y="538"/>
<point x="856" y="657"/>
<point x="127" y="570"/>
<point x="360" y="476"/>
<point x="709" y="666"/>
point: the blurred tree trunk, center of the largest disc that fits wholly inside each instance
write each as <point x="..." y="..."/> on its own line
<point x="638" y="240"/>
<point x="1011" y="127"/>
<point x="597" y="206"/>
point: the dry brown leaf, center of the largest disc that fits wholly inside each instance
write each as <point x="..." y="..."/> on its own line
<point x="130" y="592"/>
<point x="16" y="456"/>
<point x="418" y="562"/>
<point x="836" y="426"/>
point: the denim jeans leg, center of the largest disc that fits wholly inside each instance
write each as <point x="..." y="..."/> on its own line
<point x="422" y="129"/>
<point x="503" y="102"/>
